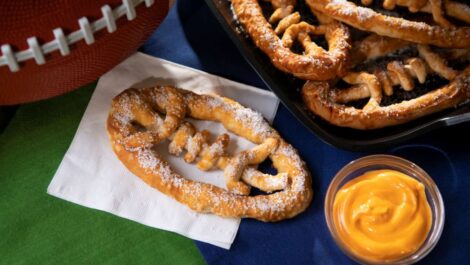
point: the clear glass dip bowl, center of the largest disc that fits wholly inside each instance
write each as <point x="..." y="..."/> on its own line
<point x="375" y="162"/>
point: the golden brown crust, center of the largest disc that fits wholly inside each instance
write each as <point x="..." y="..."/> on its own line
<point x="330" y="103"/>
<point x="317" y="96"/>
<point x="364" y="18"/>
<point x="134" y="126"/>
<point x="315" y="63"/>
<point x="374" y="46"/>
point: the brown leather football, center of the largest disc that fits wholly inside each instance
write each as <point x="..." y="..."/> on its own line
<point x="51" y="47"/>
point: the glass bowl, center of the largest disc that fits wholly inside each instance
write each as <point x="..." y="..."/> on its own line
<point x="375" y="162"/>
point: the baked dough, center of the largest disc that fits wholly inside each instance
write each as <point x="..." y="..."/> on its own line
<point x="442" y="34"/>
<point x="329" y="102"/>
<point x="315" y="63"/>
<point x="135" y="125"/>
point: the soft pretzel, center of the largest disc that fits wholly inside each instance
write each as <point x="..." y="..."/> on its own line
<point x="442" y="34"/>
<point x="315" y="63"/>
<point x="329" y="102"/>
<point x="135" y="125"/>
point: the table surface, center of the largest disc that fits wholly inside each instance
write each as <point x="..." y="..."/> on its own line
<point x="39" y="229"/>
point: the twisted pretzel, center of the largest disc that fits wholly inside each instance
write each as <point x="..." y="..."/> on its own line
<point x="328" y="102"/>
<point x="135" y="126"/>
<point x="315" y="63"/>
<point x="236" y="168"/>
<point x="438" y="8"/>
<point x="444" y="34"/>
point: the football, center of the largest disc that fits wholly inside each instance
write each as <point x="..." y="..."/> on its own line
<point x="51" y="47"/>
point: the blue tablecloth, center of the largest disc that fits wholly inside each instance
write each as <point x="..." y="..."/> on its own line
<point x="191" y="36"/>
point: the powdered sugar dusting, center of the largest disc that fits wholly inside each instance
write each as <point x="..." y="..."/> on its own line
<point x="217" y="148"/>
<point x="290" y="152"/>
<point x="271" y="183"/>
<point x="345" y="8"/>
<point x="192" y="145"/>
<point x="254" y="120"/>
<point x="124" y="115"/>
<point x="153" y="164"/>
<point x="147" y="159"/>
<point x="298" y="184"/>
<point x="246" y="116"/>
<point x="279" y="180"/>
<point x="207" y="197"/>
<point x="364" y="13"/>
<point x="273" y="203"/>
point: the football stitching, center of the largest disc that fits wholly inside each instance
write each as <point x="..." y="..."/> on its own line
<point x="62" y="42"/>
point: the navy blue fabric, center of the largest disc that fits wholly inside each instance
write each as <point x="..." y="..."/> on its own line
<point x="191" y="36"/>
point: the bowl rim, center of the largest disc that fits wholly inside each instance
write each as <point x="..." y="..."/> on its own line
<point x="405" y="166"/>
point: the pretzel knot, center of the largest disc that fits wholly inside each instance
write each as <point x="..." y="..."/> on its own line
<point x="136" y="124"/>
<point x="329" y="102"/>
<point x="442" y="33"/>
<point x="315" y="63"/>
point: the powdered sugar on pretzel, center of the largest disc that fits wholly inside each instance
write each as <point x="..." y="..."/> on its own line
<point x="442" y="34"/>
<point x="135" y="125"/>
<point x="315" y="63"/>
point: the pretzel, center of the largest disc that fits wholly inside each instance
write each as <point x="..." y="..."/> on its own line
<point x="135" y="126"/>
<point x="325" y="100"/>
<point x="444" y="34"/>
<point x="315" y="63"/>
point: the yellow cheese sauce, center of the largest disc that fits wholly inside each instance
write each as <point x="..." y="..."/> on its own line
<point x="382" y="215"/>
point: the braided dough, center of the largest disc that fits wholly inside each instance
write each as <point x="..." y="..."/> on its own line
<point x="315" y="63"/>
<point x="328" y="102"/>
<point x="135" y="126"/>
<point x="444" y="34"/>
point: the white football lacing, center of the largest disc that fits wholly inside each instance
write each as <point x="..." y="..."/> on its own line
<point x="61" y="41"/>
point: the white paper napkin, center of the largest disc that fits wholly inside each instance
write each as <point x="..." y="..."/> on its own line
<point x="92" y="176"/>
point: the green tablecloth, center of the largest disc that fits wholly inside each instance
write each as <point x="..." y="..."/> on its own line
<point x="36" y="228"/>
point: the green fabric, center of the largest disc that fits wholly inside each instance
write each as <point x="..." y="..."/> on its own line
<point x="36" y="228"/>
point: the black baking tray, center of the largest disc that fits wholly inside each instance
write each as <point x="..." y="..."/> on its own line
<point x="287" y="88"/>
